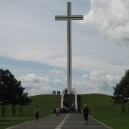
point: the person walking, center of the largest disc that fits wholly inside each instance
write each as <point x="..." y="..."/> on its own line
<point x="85" y="112"/>
<point x="37" y="112"/>
<point x="73" y="106"/>
<point x="57" y="111"/>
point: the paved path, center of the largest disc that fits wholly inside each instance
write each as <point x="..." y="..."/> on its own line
<point x="65" y="121"/>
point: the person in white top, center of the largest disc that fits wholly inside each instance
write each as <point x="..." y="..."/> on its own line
<point x="37" y="112"/>
<point x="57" y="111"/>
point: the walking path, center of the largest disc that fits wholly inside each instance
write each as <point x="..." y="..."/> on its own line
<point x="65" y="121"/>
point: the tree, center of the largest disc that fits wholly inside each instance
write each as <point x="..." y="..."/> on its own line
<point x="15" y="90"/>
<point x="4" y="77"/>
<point x="121" y="91"/>
<point x="24" y="100"/>
<point x="11" y="91"/>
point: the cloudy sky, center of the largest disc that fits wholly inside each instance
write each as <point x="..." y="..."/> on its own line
<point x="33" y="46"/>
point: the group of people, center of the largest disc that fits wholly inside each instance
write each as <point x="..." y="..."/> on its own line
<point x="68" y="105"/>
<point x="59" y="110"/>
<point x="68" y="109"/>
<point x="66" y="91"/>
<point x="65" y="109"/>
<point x="58" y="92"/>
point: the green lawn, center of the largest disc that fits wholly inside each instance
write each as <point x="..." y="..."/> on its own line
<point x="10" y="120"/>
<point x="46" y="104"/>
<point x="116" y="120"/>
<point x="101" y="107"/>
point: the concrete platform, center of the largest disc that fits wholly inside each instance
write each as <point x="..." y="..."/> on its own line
<point x="65" y="121"/>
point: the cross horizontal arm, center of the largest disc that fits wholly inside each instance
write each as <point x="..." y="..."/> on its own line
<point x="65" y="17"/>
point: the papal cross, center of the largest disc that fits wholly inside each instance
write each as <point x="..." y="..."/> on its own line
<point x="69" y="17"/>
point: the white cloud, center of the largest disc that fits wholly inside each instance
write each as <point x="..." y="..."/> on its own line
<point x="95" y="75"/>
<point x="35" y="85"/>
<point x="41" y="90"/>
<point x="85" y="76"/>
<point x="32" y="78"/>
<point x="57" y="81"/>
<point x="111" y="18"/>
<point x="57" y="71"/>
<point x="96" y="82"/>
<point x="111" y="78"/>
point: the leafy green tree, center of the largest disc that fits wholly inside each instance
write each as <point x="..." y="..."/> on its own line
<point x="11" y="91"/>
<point x="121" y="91"/>
<point x="4" y="77"/>
<point x="24" y="100"/>
<point x="15" y="90"/>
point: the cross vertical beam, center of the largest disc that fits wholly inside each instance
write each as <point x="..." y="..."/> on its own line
<point x="69" y="17"/>
<point x="69" y="50"/>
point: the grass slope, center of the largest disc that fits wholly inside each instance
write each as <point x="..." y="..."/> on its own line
<point x="101" y="107"/>
<point x="46" y="104"/>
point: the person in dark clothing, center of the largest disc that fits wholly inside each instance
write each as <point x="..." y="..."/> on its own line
<point x="36" y="111"/>
<point x="85" y="112"/>
<point x="54" y="110"/>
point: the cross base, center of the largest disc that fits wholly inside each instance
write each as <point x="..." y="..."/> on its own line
<point x="74" y="92"/>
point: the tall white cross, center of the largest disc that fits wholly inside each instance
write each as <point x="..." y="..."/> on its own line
<point x="69" y="17"/>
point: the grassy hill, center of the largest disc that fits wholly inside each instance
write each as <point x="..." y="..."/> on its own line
<point x="99" y="103"/>
<point x="101" y="107"/>
<point x="46" y="104"/>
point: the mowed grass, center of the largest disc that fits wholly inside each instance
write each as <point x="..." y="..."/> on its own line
<point x="46" y="104"/>
<point x="101" y="107"/>
<point x="11" y="120"/>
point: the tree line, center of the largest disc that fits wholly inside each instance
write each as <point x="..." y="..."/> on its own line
<point x="121" y="91"/>
<point x="11" y="91"/>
